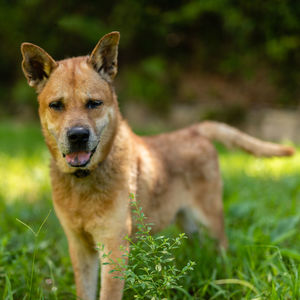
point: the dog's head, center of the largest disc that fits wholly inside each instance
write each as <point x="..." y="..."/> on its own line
<point x="77" y="105"/>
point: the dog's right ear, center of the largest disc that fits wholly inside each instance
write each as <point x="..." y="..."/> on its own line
<point x="37" y="65"/>
<point x="104" y="57"/>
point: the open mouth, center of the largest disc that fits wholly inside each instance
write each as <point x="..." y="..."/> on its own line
<point x="79" y="158"/>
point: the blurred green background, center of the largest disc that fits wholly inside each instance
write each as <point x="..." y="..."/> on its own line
<point x="179" y="62"/>
<point x="244" y="54"/>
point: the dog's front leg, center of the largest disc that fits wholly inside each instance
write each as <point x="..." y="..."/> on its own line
<point x="111" y="288"/>
<point x="85" y="265"/>
<point x="84" y="259"/>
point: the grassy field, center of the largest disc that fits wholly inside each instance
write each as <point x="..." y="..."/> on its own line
<point x="262" y="204"/>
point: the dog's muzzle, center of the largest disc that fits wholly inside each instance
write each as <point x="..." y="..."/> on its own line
<point x="79" y="154"/>
<point x="78" y="137"/>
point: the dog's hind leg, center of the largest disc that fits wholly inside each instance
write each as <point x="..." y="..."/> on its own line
<point x="207" y="208"/>
<point x="186" y="223"/>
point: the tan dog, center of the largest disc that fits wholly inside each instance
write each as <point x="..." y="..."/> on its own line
<point x="97" y="161"/>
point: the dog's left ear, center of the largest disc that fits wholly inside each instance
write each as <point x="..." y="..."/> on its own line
<point x="104" y="57"/>
<point x="37" y="65"/>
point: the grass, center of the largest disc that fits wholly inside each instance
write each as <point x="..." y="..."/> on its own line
<point x="262" y="204"/>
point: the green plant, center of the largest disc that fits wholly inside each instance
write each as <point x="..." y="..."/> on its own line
<point x="152" y="272"/>
<point x="30" y="284"/>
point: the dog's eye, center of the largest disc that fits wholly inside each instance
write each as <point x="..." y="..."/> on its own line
<point x="57" y="105"/>
<point x="92" y="104"/>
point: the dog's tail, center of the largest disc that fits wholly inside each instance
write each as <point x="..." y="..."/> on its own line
<point x="232" y="137"/>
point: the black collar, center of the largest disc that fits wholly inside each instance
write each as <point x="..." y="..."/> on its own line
<point x="81" y="173"/>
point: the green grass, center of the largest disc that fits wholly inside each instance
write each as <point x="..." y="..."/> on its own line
<point x="262" y="204"/>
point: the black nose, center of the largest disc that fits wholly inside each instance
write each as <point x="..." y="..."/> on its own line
<point x="78" y="135"/>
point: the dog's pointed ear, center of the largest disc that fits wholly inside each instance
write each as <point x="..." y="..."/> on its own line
<point x="37" y="65"/>
<point x="104" y="57"/>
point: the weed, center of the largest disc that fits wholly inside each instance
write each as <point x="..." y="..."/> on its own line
<point x="36" y="235"/>
<point x="151" y="272"/>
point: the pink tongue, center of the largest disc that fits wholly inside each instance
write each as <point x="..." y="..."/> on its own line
<point x="78" y="158"/>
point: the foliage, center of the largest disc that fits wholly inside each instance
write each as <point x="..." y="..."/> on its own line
<point x="262" y="209"/>
<point x="151" y="272"/>
<point x="229" y="37"/>
<point x="30" y="281"/>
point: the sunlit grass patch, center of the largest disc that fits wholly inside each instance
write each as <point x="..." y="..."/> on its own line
<point x="24" y="177"/>
<point x="24" y="162"/>
<point x="236" y="162"/>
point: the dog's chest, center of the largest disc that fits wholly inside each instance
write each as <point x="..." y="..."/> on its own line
<point x="84" y="207"/>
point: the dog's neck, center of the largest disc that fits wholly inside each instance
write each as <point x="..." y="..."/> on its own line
<point x="81" y="173"/>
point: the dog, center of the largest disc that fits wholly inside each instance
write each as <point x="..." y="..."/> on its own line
<point x="97" y="161"/>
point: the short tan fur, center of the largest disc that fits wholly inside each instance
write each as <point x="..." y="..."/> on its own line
<point x="97" y="161"/>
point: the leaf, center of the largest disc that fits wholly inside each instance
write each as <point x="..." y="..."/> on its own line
<point x="158" y="267"/>
<point x="237" y="281"/>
